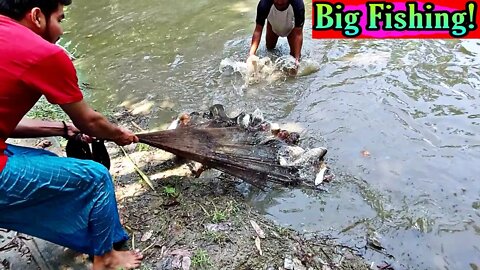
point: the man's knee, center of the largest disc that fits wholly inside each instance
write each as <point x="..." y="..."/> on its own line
<point x="97" y="173"/>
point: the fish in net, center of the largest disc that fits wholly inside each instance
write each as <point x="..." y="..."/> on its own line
<point x="245" y="146"/>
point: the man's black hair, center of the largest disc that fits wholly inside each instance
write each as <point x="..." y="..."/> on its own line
<point x="16" y="9"/>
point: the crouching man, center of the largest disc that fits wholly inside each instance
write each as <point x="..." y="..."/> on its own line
<point x="285" y="18"/>
<point x="66" y="201"/>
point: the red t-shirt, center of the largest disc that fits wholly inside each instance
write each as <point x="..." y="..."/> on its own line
<point x="29" y="68"/>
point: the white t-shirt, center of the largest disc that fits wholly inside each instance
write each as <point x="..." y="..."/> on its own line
<point x="282" y="21"/>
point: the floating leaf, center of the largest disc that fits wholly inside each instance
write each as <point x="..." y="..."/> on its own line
<point x="476" y="205"/>
<point x="365" y="153"/>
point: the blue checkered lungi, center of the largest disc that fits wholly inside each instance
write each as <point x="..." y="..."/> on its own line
<point x="67" y="201"/>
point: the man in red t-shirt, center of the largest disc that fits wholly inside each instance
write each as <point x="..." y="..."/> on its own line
<point x="67" y="201"/>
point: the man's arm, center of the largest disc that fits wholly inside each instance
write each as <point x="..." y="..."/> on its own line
<point x="256" y="37"/>
<point x="55" y="77"/>
<point x="95" y="124"/>
<point x="295" y="40"/>
<point x="33" y="128"/>
<point x="263" y="8"/>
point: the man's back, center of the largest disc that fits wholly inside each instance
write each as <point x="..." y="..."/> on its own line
<point x="29" y="67"/>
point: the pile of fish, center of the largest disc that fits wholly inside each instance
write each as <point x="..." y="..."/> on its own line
<point x="255" y="130"/>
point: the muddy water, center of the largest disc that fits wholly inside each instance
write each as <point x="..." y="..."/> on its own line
<point x="412" y="104"/>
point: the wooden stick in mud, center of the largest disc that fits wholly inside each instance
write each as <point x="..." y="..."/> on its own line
<point x="144" y="177"/>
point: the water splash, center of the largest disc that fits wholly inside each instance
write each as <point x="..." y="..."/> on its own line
<point x="257" y="70"/>
<point x="307" y="67"/>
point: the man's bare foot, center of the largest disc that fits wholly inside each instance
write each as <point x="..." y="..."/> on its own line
<point x="114" y="260"/>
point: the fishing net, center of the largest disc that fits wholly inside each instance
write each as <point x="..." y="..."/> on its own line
<point x="245" y="146"/>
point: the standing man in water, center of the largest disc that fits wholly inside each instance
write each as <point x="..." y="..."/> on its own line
<point x="285" y="18"/>
<point x="67" y="201"/>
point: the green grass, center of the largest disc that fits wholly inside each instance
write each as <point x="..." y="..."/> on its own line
<point x="219" y="216"/>
<point x="142" y="147"/>
<point x="201" y="260"/>
<point x="170" y="191"/>
<point x="46" y="111"/>
<point x="222" y="215"/>
<point x="215" y="237"/>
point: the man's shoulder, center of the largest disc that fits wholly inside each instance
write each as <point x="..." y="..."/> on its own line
<point x="297" y="5"/>
<point x="18" y="41"/>
<point x="265" y="5"/>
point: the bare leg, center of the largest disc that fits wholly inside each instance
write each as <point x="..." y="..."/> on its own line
<point x="114" y="260"/>
<point x="271" y="37"/>
<point x="295" y="41"/>
<point x="80" y="197"/>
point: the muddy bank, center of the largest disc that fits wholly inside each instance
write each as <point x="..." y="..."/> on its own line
<point x="205" y="223"/>
<point x="196" y="223"/>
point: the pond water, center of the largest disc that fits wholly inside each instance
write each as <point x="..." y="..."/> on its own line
<point x="414" y="105"/>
